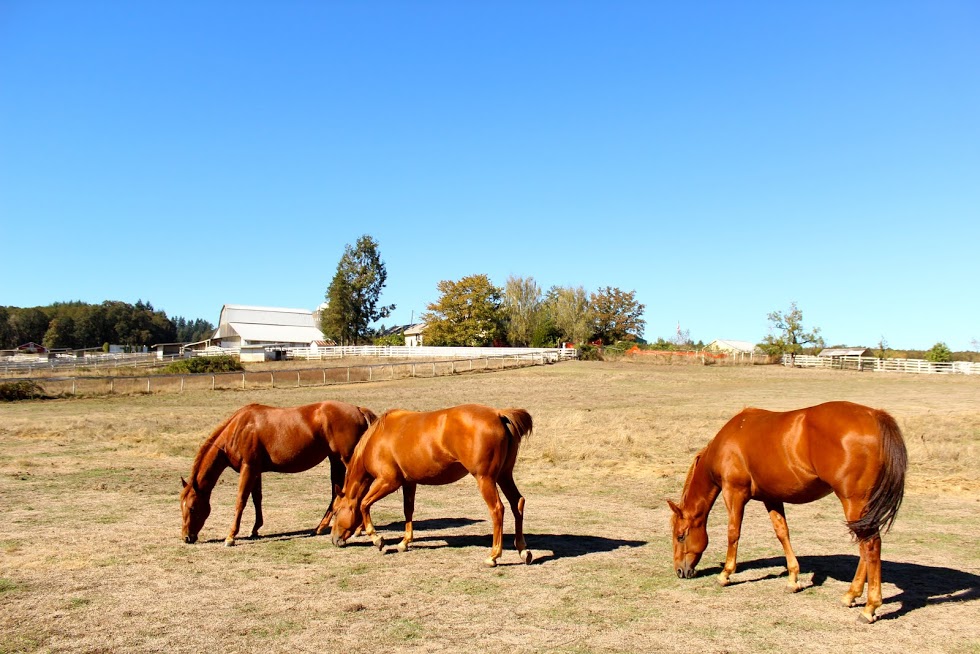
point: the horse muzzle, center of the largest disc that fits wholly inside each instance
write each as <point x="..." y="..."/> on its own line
<point x="190" y="539"/>
<point x="338" y="541"/>
<point x="685" y="571"/>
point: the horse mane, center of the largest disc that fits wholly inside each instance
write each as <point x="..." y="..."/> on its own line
<point x="208" y="443"/>
<point x="889" y="488"/>
<point x="690" y="475"/>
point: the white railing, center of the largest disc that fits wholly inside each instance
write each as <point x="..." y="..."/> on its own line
<point x="918" y="366"/>
<point x="427" y="352"/>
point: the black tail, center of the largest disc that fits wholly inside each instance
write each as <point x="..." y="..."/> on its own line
<point x="889" y="488"/>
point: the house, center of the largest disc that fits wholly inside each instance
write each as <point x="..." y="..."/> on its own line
<point x="241" y="326"/>
<point x="413" y="335"/>
<point x="732" y="347"/>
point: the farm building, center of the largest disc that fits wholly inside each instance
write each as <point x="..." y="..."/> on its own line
<point x="731" y="347"/>
<point x="255" y="327"/>
<point x="413" y="335"/>
<point x="834" y="352"/>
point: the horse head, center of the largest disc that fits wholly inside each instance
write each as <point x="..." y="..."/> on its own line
<point x="347" y="517"/>
<point x="690" y="538"/>
<point x="195" y="507"/>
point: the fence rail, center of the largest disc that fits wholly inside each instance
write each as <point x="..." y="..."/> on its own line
<point x="873" y="364"/>
<point x="28" y="365"/>
<point x="285" y="378"/>
<point x="426" y="352"/>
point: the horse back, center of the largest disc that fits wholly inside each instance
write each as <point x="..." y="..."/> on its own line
<point x="799" y="456"/>
<point x="442" y="446"/>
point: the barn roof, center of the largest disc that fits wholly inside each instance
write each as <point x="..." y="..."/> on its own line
<point x="267" y="324"/>
<point x="844" y="352"/>
<point x="732" y="345"/>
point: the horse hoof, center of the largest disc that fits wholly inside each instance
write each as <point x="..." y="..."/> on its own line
<point x="490" y="563"/>
<point x="229" y="542"/>
<point x="848" y="602"/>
<point x="379" y="543"/>
<point x="723" y="581"/>
<point x="793" y="588"/>
<point x="526" y="556"/>
<point x="863" y="619"/>
<point x="402" y="547"/>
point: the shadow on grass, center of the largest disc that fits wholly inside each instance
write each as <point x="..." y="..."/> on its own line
<point x="919" y="585"/>
<point x="546" y="547"/>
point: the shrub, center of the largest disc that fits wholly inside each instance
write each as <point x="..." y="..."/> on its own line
<point x="940" y="353"/>
<point x="197" y="365"/>
<point x="588" y="352"/>
<point x="20" y="390"/>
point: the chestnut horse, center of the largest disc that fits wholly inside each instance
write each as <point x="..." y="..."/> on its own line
<point x="257" y="439"/>
<point x="799" y="456"/>
<point x="407" y="448"/>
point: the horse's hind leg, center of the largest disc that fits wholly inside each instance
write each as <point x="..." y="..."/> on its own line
<point x="488" y="488"/>
<point x="338" y="473"/>
<point x="408" y="500"/>
<point x="777" y="514"/>
<point x="257" y="503"/>
<point x="869" y="569"/>
<point x="516" y="501"/>
<point x="247" y="479"/>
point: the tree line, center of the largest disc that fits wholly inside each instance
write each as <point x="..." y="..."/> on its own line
<point x="79" y="325"/>
<point x="472" y="311"/>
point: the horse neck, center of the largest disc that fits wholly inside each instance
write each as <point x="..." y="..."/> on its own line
<point x="210" y="462"/>
<point x="700" y="490"/>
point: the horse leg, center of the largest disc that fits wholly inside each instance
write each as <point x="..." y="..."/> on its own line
<point x="257" y="503"/>
<point x="379" y="488"/>
<point x="338" y="472"/>
<point x="869" y="568"/>
<point x="872" y="559"/>
<point x="408" y="500"/>
<point x="246" y="479"/>
<point x="735" y="500"/>
<point x="777" y="514"/>
<point x="856" y="589"/>
<point x="516" y="501"/>
<point x="490" y="495"/>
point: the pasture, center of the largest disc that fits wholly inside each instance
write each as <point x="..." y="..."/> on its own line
<point x="91" y="557"/>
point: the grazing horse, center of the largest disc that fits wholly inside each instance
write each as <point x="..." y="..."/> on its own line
<point x="407" y="448"/>
<point x="257" y="439"/>
<point x="853" y="451"/>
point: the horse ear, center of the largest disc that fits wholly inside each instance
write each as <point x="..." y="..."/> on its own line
<point x="183" y="484"/>
<point x="338" y="491"/>
<point x="676" y="509"/>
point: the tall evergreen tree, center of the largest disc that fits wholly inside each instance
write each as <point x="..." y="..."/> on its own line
<point x="354" y="293"/>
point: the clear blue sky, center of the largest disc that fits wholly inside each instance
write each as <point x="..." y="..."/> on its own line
<point x="722" y="159"/>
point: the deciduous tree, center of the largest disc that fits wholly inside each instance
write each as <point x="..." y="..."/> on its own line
<point x="618" y="316"/>
<point x="522" y="307"/>
<point x="569" y="310"/>
<point x="467" y="313"/>
<point x="791" y="336"/>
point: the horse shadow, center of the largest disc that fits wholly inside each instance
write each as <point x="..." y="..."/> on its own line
<point x="919" y="585"/>
<point x="560" y="546"/>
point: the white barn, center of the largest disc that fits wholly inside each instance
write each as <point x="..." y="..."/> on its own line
<point x="730" y="346"/>
<point x="252" y="327"/>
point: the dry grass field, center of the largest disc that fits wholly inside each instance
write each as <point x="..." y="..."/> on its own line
<point x="91" y="559"/>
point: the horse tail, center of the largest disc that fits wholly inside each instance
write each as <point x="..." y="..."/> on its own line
<point x="518" y="424"/>
<point x="369" y="415"/>
<point x="889" y="488"/>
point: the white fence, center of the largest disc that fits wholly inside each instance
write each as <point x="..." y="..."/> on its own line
<point x="426" y="352"/>
<point x="873" y="364"/>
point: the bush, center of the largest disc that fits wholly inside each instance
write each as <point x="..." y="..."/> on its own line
<point x="197" y="365"/>
<point x="588" y="352"/>
<point x="940" y="353"/>
<point x="21" y="390"/>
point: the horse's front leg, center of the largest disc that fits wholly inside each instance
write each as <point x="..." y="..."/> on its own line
<point x="408" y="500"/>
<point x="777" y="514"/>
<point x="246" y="480"/>
<point x="379" y="488"/>
<point x="488" y="488"/>
<point x="735" y="500"/>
